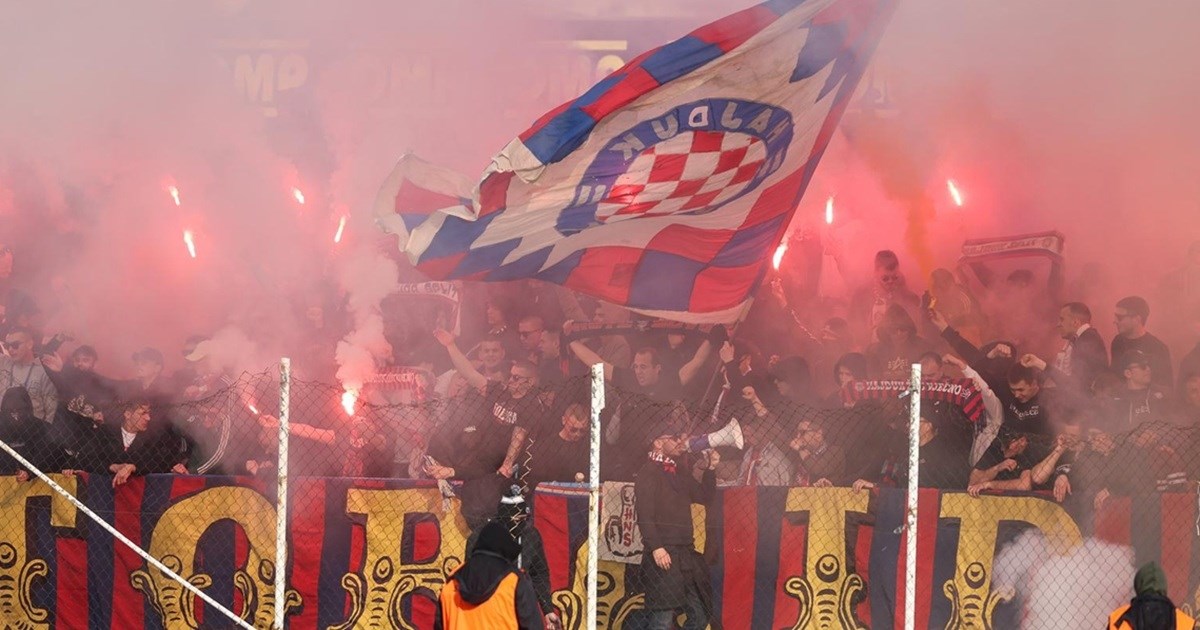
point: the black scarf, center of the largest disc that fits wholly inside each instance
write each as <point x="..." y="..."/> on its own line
<point x="1150" y="611"/>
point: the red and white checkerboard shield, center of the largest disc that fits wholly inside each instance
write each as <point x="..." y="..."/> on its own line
<point x="693" y="172"/>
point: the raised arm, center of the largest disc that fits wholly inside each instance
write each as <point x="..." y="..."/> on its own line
<point x="586" y="354"/>
<point x="460" y="360"/>
<point x="992" y="407"/>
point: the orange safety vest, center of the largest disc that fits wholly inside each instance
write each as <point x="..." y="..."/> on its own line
<point x="1182" y="621"/>
<point x="499" y="612"/>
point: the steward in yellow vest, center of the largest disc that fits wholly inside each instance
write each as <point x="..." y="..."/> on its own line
<point x="1150" y="609"/>
<point x="489" y="592"/>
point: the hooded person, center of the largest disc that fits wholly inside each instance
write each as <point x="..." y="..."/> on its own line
<point x="489" y="592"/>
<point x="513" y="514"/>
<point x="1150" y="609"/>
<point x="27" y="435"/>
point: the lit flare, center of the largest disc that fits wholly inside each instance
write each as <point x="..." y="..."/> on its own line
<point x="954" y="192"/>
<point x="829" y="211"/>
<point x="299" y="195"/>
<point x="337" y="237"/>
<point x="349" y="400"/>
<point x="174" y="194"/>
<point x="190" y="241"/>
<point x="778" y="257"/>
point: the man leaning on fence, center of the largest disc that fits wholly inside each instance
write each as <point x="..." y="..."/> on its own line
<point x="1150" y="609"/>
<point x="675" y="574"/>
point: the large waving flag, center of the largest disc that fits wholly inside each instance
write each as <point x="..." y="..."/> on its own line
<point x="665" y="187"/>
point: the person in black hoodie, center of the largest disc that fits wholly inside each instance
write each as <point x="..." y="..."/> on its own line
<point x="26" y="434"/>
<point x="1150" y="609"/>
<point x="489" y="591"/>
<point x="513" y="514"/>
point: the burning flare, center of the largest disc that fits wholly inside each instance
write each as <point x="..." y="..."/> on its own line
<point x="174" y="194"/>
<point x="778" y="257"/>
<point x="299" y="195"/>
<point x="349" y="399"/>
<point x="252" y="408"/>
<point x="954" y="193"/>
<point x="829" y="211"/>
<point x="190" y="242"/>
<point x="337" y="237"/>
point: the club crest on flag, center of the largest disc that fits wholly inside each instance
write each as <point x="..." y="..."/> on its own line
<point x="693" y="159"/>
<point x="708" y="141"/>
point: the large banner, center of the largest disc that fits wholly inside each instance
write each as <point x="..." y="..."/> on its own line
<point x="374" y="554"/>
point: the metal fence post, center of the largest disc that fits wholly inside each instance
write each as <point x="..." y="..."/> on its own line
<point x="594" y="493"/>
<point x="914" y="464"/>
<point x="281" y="493"/>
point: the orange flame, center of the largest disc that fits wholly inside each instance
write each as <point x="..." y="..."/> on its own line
<point x="174" y="194"/>
<point x="829" y="211"/>
<point x="778" y="257"/>
<point x="296" y="192"/>
<point x="349" y="399"/>
<point x="337" y="238"/>
<point x="954" y="193"/>
<point x="190" y="241"/>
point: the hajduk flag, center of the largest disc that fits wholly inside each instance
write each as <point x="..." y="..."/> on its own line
<point x="666" y="186"/>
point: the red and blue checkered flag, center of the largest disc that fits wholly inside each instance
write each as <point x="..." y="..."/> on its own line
<point x="666" y="186"/>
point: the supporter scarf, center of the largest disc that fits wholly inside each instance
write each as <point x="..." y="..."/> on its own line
<point x="667" y="464"/>
<point x="584" y="330"/>
<point x="960" y="392"/>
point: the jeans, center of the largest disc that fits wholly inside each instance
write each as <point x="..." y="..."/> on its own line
<point x="697" y="617"/>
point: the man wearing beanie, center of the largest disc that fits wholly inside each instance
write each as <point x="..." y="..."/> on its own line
<point x="1150" y="609"/>
<point x="489" y="592"/>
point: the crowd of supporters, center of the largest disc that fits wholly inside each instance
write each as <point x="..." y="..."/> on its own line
<point x="1059" y="407"/>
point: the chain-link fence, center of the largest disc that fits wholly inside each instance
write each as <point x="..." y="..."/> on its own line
<point x="753" y="506"/>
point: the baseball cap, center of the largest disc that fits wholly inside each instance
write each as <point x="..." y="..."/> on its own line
<point x="202" y="350"/>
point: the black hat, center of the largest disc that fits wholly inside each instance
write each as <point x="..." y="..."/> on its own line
<point x="148" y="354"/>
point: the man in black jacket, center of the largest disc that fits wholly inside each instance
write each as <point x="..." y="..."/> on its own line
<point x="1084" y="356"/>
<point x="133" y="447"/>
<point x="675" y="574"/>
<point x="489" y="591"/>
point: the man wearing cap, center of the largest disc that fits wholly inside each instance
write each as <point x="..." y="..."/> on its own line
<point x="1140" y="400"/>
<point x="675" y="573"/>
<point x="1150" y="609"/>
<point x="489" y="592"/>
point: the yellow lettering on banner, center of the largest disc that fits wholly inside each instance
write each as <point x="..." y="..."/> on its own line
<point x="970" y="591"/>
<point x="260" y="75"/>
<point x="254" y="76"/>
<point x="827" y="591"/>
<point x="17" y="574"/>
<point x="377" y="592"/>
<point x="174" y="541"/>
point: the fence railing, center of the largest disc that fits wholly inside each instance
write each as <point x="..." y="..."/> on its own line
<point x="319" y="514"/>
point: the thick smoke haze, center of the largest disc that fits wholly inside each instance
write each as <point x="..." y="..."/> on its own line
<point x="1068" y="115"/>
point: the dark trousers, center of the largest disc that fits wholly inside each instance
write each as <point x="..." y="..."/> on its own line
<point x="693" y="608"/>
